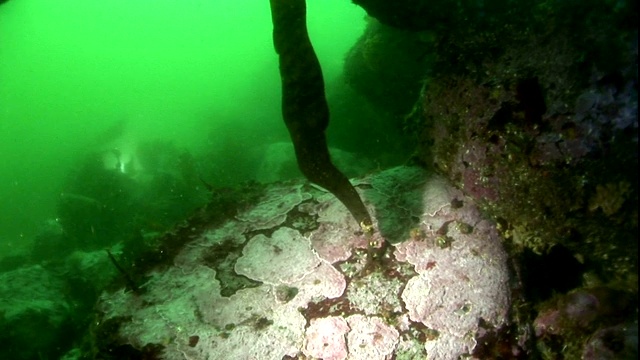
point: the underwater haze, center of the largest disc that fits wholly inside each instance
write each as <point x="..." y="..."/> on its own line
<point x="81" y="77"/>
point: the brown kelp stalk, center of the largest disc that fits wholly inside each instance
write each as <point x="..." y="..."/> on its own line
<point x="304" y="105"/>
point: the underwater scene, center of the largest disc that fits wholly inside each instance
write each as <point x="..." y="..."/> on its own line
<point x="318" y="179"/>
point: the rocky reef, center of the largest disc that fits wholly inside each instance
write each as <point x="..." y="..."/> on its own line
<point x="534" y="115"/>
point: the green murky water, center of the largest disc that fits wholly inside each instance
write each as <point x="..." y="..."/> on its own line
<point x="94" y="77"/>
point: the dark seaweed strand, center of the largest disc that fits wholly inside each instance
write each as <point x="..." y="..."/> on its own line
<point x="132" y="285"/>
<point x="304" y="105"/>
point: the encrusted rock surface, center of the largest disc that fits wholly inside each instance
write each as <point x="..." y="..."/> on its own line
<point x="325" y="290"/>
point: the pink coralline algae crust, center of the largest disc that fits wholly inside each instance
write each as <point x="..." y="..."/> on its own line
<point x="273" y="209"/>
<point x="324" y="281"/>
<point x="325" y="338"/>
<point x="370" y="338"/>
<point x="335" y="244"/>
<point x="367" y="338"/>
<point x="250" y="322"/>
<point x="338" y="234"/>
<point x="281" y="258"/>
<point x="462" y="275"/>
<point x="165" y="309"/>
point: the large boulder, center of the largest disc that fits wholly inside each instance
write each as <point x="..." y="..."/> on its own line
<point x="295" y="277"/>
<point x="35" y="314"/>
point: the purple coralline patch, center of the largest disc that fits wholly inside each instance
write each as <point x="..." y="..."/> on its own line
<point x="548" y="149"/>
<point x="477" y="169"/>
<point x="594" y="321"/>
<point x="613" y="343"/>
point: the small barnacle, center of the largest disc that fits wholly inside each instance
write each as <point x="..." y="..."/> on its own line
<point x="443" y="241"/>
<point x="417" y="234"/>
<point x="262" y="323"/>
<point x="286" y="293"/>
<point x="463" y="310"/>
<point x="464" y="228"/>
<point x="367" y="229"/>
<point x="430" y="334"/>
